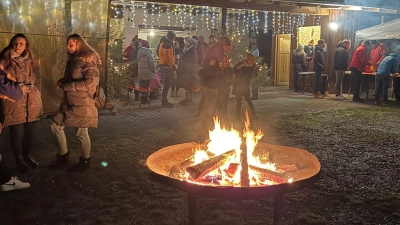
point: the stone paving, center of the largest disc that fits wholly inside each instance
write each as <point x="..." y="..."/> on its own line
<point x="274" y="102"/>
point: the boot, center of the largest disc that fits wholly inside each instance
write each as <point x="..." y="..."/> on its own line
<point x="61" y="161"/>
<point x="21" y="166"/>
<point x="83" y="164"/>
<point x="27" y="158"/>
<point x="318" y="95"/>
<point x="188" y="99"/>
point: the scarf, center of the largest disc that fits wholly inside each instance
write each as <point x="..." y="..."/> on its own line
<point x="20" y="60"/>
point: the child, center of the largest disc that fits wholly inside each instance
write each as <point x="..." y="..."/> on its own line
<point x="155" y="85"/>
<point x="241" y="88"/>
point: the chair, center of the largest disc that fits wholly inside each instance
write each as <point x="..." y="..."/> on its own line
<point x="143" y="92"/>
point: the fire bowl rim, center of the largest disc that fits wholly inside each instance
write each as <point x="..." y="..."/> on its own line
<point x="239" y="193"/>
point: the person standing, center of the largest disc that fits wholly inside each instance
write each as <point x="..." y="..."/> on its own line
<point x="130" y="52"/>
<point x="358" y="62"/>
<point x="299" y="65"/>
<point x="340" y="65"/>
<point x="187" y="66"/>
<point x="202" y="47"/>
<point x="22" y="115"/>
<point x="378" y="52"/>
<point x="244" y="72"/>
<point x="77" y="110"/>
<point x="386" y="67"/>
<point x="319" y="66"/>
<point x="214" y="77"/>
<point x="146" y="67"/>
<point x="167" y="65"/>
<point x="10" y="91"/>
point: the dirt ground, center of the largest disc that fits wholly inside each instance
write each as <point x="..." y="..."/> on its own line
<point x="359" y="185"/>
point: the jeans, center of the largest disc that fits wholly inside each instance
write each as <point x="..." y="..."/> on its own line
<point x="5" y="174"/>
<point x="356" y="81"/>
<point x="296" y="85"/>
<point x="21" y="138"/>
<point x="168" y="74"/>
<point x="81" y="133"/>
<point x="317" y="82"/>
<point x="381" y="87"/>
<point x="339" y="81"/>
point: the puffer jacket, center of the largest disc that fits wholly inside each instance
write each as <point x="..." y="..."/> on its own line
<point x="388" y="65"/>
<point x="79" y="84"/>
<point x="187" y="67"/>
<point x="299" y="60"/>
<point x="146" y="64"/>
<point x="29" y="107"/>
<point x="359" y="59"/>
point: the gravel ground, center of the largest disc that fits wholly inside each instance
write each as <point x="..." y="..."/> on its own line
<point x="359" y="184"/>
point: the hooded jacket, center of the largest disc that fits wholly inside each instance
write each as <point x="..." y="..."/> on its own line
<point x="299" y="59"/>
<point x="378" y="54"/>
<point x="359" y="59"/>
<point x="388" y="65"/>
<point x="81" y="78"/>
<point x="146" y="66"/>
<point x="341" y="58"/>
<point x="318" y="60"/>
<point x="29" y="107"/>
<point x="166" y="54"/>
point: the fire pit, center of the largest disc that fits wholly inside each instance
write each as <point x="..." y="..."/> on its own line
<point x="237" y="170"/>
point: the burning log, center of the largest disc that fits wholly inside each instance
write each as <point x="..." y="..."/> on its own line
<point x="178" y="170"/>
<point x="199" y="170"/>
<point x="269" y="174"/>
<point x="233" y="167"/>
<point x="288" y="167"/>
<point x="244" y="173"/>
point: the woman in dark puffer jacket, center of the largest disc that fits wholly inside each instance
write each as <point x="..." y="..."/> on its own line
<point x="187" y="71"/>
<point x="77" y="110"/>
<point x="22" y="115"/>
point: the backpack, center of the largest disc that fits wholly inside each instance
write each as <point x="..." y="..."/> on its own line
<point x="99" y="97"/>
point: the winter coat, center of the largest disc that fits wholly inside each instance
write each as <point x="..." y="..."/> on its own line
<point x="359" y="59"/>
<point x="79" y="84"/>
<point x="341" y="58"/>
<point x="146" y="68"/>
<point x="299" y="60"/>
<point x="318" y="59"/>
<point x="243" y="76"/>
<point x="29" y="107"/>
<point x="216" y="74"/>
<point x="187" y="66"/>
<point x="378" y="54"/>
<point x="388" y="65"/>
<point x="166" y="54"/>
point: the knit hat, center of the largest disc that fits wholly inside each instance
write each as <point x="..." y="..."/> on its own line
<point x="145" y="44"/>
<point x="311" y="42"/>
<point x="300" y="47"/>
<point x="190" y="40"/>
<point x="171" y="35"/>
<point x="224" y="41"/>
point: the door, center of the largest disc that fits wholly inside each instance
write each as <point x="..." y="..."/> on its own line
<point x="282" y="59"/>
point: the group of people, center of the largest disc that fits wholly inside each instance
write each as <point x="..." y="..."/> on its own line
<point x="380" y="60"/>
<point x="21" y="104"/>
<point x="192" y="64"/>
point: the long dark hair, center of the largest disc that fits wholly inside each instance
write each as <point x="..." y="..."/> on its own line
<point x="83" y="49"/>
<point x="6" y="52"/>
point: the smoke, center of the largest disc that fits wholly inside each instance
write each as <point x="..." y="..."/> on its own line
<point x="390" y="4"/>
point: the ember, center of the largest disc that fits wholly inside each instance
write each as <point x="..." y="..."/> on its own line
<point x="230" y="160"/>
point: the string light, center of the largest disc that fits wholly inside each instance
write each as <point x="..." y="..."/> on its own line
<point x="145" y="14"/>
<point x="266" y="22"/>
<point x="169" y="15"/>
<point x="152" y="15"/>
<point x="273" y="24"/>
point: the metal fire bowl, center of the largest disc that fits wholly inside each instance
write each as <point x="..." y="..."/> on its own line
<point x="161" y="162"/>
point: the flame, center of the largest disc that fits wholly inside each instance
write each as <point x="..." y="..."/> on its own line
<point x="223" y="140"/>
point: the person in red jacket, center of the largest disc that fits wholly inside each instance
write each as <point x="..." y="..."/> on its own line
<point x="378" y="53"/>
<point x="358" y="63"/>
